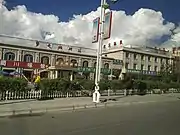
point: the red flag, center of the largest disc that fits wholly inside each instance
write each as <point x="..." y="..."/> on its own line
<point x="109" y="45"/>
<point x="59" y="47"/>
<point x="37" y="43"/>
<point x="120" y="42"/>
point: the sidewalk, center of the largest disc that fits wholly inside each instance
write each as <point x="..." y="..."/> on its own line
<point x="7" y="109"/>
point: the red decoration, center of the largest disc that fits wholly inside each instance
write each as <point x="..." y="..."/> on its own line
<point x="59" y="47"/>
<point x="20" y="64"/>
<point x="120" y="42"/>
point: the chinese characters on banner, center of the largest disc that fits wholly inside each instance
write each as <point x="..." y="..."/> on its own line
<point x="107" y="27"/>
<point x="20" y="64"/>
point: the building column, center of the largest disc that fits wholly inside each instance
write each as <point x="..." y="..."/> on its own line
<point x="52" y="74"/>
<point x="37" y="59"/>
<point x="53" y="60"/>
<point x="56" y="74"/>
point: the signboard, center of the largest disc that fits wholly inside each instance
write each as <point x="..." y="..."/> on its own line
<point x="95" y="31"/>
<point x="20" y="64"/>
<point x="93" y="70"/>
<point x="117" y="62"/>
<point x="107" y="25"/>
<point x="145" y="72"/>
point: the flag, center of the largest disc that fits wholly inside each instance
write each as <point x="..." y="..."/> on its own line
<point x="79" y="50"/>
<point x="59" y="47"/>
<point x="49" y="46"/>
<point x="120" y="42"/>
<point x="37" y="43"/>
<point x="70" y="48"/>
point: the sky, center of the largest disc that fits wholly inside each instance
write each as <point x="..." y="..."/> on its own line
<point x="135" y="22"/>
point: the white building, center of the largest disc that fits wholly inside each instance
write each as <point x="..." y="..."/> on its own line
<point x="64" y="60"/>
<point x="136" y="59"/>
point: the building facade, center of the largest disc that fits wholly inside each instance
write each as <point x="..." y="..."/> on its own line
<point x="143" y="60"/>
<point x="63" y="61"/>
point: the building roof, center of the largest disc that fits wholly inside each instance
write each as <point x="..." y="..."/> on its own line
<point x="17" y="42"/>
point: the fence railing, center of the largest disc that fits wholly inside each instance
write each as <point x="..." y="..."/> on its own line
<point x="18" y="95"/>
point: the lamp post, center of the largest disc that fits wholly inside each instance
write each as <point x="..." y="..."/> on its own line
<point x="104" y="6"/>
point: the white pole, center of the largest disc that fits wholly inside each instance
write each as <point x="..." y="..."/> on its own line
<point x="96" y="94"/>
<point x="1" y="18"/>
<point x="103" y="2"/>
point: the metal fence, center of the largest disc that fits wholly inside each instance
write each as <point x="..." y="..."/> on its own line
<point x="18" y="95"/>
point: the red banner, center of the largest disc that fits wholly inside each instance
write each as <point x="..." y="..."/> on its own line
<point x="20" y="64"/>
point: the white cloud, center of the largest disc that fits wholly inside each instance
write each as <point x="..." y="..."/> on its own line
<point x="139" y="28"/>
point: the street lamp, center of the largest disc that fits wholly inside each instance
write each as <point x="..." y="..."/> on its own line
<point x="104" y="6"/>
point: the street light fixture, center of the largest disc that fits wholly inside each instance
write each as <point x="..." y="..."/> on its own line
<point x="104" y="6"/>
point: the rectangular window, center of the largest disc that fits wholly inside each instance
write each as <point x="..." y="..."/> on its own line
<point x="135" y="66"/>
<point x="126" y="66"/>
<point x="155" y="59"/>
<point x="155" y="68"/>
<point x="149" y="68"/>
<point x="135" y="56"/>
<point x="142" y="67"/>
<point x="149" y="58"/>
<point x="127" y="55"/>
<point x="142" y="57"/>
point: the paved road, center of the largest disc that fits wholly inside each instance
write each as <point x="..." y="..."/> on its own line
<point x="7" y="107"/>
<point x="160" y="118"/>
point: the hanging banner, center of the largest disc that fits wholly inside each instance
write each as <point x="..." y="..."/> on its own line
<point x="95" y="32"/>
<point x="107" y="25"/>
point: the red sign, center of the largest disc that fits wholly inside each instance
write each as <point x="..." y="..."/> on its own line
<point x="20" y="64"/>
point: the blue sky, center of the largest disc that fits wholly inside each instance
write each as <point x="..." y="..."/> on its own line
<point x="66" y="8"/>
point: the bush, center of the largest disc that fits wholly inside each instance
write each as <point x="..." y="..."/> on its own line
<point x="12" y="84"/>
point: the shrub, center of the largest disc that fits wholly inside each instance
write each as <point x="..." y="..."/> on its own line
<point x="12" y="84"/>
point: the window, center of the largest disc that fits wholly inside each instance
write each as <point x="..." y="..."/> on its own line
<point x="161" y="60"/>
<point x="149" y="68"/>
<point x="166" y="61"/>
<point x="126" y="65"/>
<point x="135" y="56"/>
<point x="94" y="64"/>
<point x="155" y="59"/>
<point x="127" y="55"/>
<point x="142" y="57"/>
<point x="74" y="63"/>
<point x="135" y="66"/>
<point x="85" y="64"/>
<point x="28" y="58"/>
<point x="45" y="60"/>
<point x="106" y="65"/>
<point x="142" y="67"/>
<point x="9" y="56"/>
<point x="149" y="58"/>
<point x="155" y="68"/>
<point x="60" y="61"/>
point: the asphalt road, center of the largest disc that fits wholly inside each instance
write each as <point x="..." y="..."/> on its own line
<point x="160" y="118"/>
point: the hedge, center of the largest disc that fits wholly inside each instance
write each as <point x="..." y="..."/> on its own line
<point x="64" y="85"/>
<point x="12" y="84"/>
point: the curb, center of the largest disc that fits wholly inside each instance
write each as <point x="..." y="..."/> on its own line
<point x="42" y="111"/>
